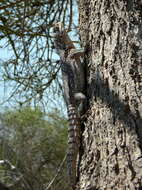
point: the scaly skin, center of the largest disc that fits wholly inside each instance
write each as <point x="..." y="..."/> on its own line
<point x="73" y="143"/>
<point x="73" y="85"/>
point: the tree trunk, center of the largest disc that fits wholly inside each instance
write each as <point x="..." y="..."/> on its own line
<point x="111" y="32"/>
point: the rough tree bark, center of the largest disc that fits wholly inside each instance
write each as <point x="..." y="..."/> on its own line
<point x="111" y="32"/>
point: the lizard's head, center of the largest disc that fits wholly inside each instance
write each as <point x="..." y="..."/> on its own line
<point x="61" y="38"/>
<point x="58" y="28"/>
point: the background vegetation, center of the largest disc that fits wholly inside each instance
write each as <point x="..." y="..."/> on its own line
<point x="32" y="140"/>
<point x="34" y="146"/>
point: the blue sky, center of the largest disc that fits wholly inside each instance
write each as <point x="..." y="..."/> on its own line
<point x="4" y="55"/>
<point x="5" y="90"/>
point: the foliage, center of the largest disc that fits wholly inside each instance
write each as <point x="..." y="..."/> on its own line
<point x="26" y="30"/>
<point x="36" y="146"/>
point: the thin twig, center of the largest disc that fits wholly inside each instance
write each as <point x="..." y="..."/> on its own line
<point x="71" y="15"/>
<point x="58" y="171"/>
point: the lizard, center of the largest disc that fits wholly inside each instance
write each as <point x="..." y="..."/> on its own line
<point x="73" y="86"/>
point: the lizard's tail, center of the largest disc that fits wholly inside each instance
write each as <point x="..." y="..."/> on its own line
<point x="73" y="143"/>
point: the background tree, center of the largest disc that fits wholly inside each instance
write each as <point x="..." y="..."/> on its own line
<point x="31" y="74"/>
<point x="33" y="150"/>
<point x="111" y="32"/>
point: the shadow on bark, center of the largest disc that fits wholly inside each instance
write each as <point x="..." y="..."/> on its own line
<point x="119" y="108"/>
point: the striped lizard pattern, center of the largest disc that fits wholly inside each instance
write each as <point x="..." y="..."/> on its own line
<point x="73" y="143"/>
<point x="73" y="86"/>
